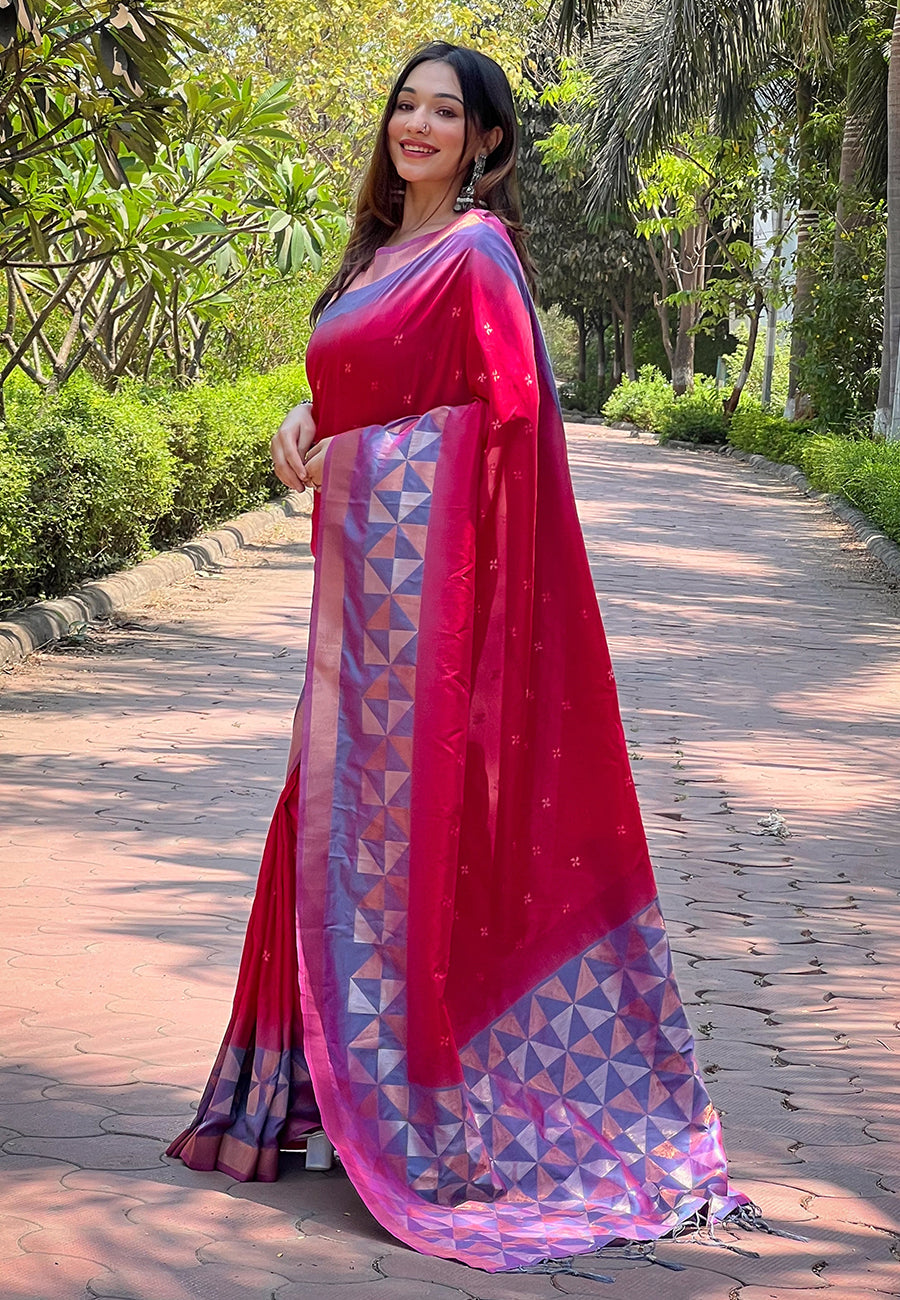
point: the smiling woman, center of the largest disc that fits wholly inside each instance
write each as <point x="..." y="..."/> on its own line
<point x="430" y="145"/>
<point x="456" y="963"/>
<point x="459" y="104"/>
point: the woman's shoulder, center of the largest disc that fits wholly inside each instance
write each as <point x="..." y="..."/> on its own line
<point x="482" y="229"/>
<point x="484" y="235"/>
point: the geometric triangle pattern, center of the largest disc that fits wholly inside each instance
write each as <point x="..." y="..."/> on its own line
<point x="581" y="1116"/>
<point x="586" y="1102"/>
<point x="258" y="1082"/>
<point x="378" y="713"/>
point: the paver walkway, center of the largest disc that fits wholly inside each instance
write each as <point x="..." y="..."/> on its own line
<point x="759" y="668"/>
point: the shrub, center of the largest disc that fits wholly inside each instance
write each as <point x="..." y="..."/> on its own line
<point x="864" y="471"/>
<point x="867" y="473"/>
<point x="220" y="439"/>
<point x="644" y="401"/>
<point x="648" y="402"/>
<point x="695" y="417"/>
<point x="756" y="430"/>
<point x="91" y="481"/>
<point x="841" y="364"/>
<point x="95" y="473"/>
<point x="18" y="555"/>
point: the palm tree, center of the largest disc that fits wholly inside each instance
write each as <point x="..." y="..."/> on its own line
<point x="655" y="69"/>
<point x="593" y="275"/>
<point x="660" y="66"/>
<point x="863" y="164"/>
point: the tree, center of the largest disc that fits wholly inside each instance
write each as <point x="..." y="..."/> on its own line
<point x="593" y="271"/>
<point x="863" y="159"/>
<point x="340" y="59"/>
<point x="659" y="68"/>
<point x="653" y="75"/>
<point x="121" y="277"/>
<point x="887" y="415"/>
<point x="693" y="207"/>
<point x="83" y="71"/>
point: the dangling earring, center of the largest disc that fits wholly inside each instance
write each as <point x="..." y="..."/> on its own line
<point x="466" y="198"/>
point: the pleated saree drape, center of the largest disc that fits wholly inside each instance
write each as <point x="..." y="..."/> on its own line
<point x="456" y="960"/>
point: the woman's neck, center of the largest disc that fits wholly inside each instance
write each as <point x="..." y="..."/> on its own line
<point x="423" y="213"/>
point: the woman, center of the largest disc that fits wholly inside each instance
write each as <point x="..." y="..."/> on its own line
<point x="456" y="963"/>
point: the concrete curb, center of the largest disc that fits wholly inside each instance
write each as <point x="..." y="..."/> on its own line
<point x="47" y="621"/>
<point x="876" y="542"/>
<point x="582" y="417"/>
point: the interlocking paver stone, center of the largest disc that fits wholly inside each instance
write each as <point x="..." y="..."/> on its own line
<point x="757" y="654"/>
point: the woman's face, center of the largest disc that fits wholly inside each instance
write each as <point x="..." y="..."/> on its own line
<point x="427" y="130"/>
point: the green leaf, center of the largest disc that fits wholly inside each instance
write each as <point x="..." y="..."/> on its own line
<point x="205" y="228"/>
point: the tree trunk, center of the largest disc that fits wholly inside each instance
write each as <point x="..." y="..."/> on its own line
<point x="693" y="277"/>
<point x="628" y="327"/>
<point x="768" y="373"/>
<point x="769" y="360"/>
<point x="798" y="405"/>
<point x="582" y="344"/>
<point x="617" y="352"/>
<point x="37" y="319"/>
<point x="601" y="358"/>
<point x="198" y="349"/>
<point x="662" y="266"/>
<point x="131" y="334"/>
<point x="853" y="148"/>
<point x="887" y="415"/>
<point x="683" y="358"/>
<point x="662" y="312"/>
<point x="731" y="403"/>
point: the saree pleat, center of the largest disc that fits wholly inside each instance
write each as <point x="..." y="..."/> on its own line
<point x="481" y="1005"/>
<point x="259" y="1096"/>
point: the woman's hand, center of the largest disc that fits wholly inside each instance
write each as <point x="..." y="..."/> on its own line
<point x="290" y="445"/>
<point x="315" y="463"/>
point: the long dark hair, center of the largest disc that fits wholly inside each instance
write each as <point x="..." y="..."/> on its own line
<point x="487" y="102"/>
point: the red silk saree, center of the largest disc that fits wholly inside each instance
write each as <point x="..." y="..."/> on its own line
<point x="456" y="961"/>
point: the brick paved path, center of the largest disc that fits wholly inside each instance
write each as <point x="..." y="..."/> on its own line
<point x="759" y="666"/>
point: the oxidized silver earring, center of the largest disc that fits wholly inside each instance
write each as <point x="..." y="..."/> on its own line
<point x="466" y="198"/>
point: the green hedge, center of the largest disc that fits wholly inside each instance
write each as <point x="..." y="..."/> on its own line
<point x="696" y="417"/>
<point x="756" y="430"/>
<point x="648" y="402"/>
<point x="644" y="401"/>
<point x="91" y="481"/>
<point x="16" y="514"/>
<point x="865" y="471"/>
<point x="220" y="438"/>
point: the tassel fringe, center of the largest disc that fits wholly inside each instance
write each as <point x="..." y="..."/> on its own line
<point x="700" y="1228"/>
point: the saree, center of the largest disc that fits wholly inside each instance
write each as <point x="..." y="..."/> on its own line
<point x="456" y="960"/>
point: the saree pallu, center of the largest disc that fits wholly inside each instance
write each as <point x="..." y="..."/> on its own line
<point x="456" y="958"/>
